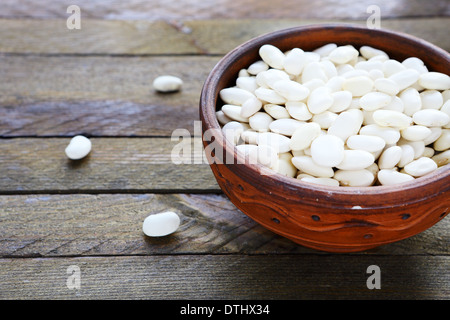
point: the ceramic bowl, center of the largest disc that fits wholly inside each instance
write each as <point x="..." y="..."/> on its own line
<point x="332" y="219"/>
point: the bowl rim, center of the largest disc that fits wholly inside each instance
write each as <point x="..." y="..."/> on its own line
<point x="209" y="98"/>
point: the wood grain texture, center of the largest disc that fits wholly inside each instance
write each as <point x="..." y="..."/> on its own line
<point x="236" y="277"/>
<point x="90" y="225"/>
<point x="222" y="36"/>
<point x="34" y="79"/>
<point x="40" y="165"/>
<point x="100" y="96"/>
<point x="214" y="9"/>
<point x="143" y="37"/>
<point x="99" y="118"/>
<point x="107" y="225"/>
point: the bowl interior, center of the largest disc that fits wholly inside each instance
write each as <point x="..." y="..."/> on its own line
<point x="398" y="46"/>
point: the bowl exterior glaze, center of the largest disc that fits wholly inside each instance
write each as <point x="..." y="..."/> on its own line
<point x="333" y="219"/>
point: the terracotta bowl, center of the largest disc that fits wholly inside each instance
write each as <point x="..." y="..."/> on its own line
<point x="333" y="219"/>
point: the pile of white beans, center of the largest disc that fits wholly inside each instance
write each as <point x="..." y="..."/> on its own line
<point x="340" y="116"/>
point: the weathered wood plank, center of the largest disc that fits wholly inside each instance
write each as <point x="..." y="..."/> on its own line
<point x="33" y="79"/>
<point x="104" y="225"/>
<point x="100" y="118"/>
<point x="218" y="37"/>
<point x="119" y="37"/>
<point x="214" y="9"/>
<point x="144" y="164"/>
<point x="227" y="277"/>
<point x="94" y="37"/>
<point x="100" y="96"/>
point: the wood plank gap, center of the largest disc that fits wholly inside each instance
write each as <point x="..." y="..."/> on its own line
<point x="230" y="254"/>
<point x="109" y="191"/>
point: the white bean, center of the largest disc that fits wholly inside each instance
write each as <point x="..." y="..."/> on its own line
<point x="247" y="83"/>
<point x="387" y="86"/>
<point x="304" y="135"/>
<point x="389" y="118"/>
<point x="276" y="111"/>
<point x="442" y="158"/>
<point x="307" y="165"/>
<point x="291" y="90"/>
<point x="294" y="61"/>
<point x="420" y="167"/>
<point x="390" y="135"/>
<point x="167" y="83"/>
<point x="267" y="79"/>
<point x="356" y="160"/>
<point x="284" y="165"/>
<point x="322" y="181"/>
<point x="355" y="178"/>
<point x="161" y="224"/>
<point x="250" y="107"/>
<point x="325" y="119"/>
<point x="327" y="150"/>
<point x="298" y="110"/>
<point x="391" y="67"/>
<point x="269" y="95"/>
<point x="388" y="177"/>
<point x="250" y="136"/>
<point x="325" y="50"/>
<point x="370" y="52"/>
<point x="257" y="67"/>
<point x="415" y="133"/>
<point x="418" y="147"/>
<point x="431" y="99"/>
<point x="347" y="123"/>
<point x="260" y="121"/>
<point x="222" y="118"/>
<point x="341" y="100"/>
<point x="431" y="118"/>
<point x="320" y="100"/>
<point x="313" y="71"/>
<point x="272" y="56"/>
<point x="235" y="96"/>
<point x="443" y="142"/>
<point x="285" y="126"/>
<point x="405" y="78"/>
<point x="233" y="130"/>
<point x="435" y="134"/>
<point x="366" y="142"/>
<point x="335" y="83"/>
<point x="279" y="142"/>
<point x="374" y="100"/>
<point x="390" y="157"/>
<point x="407" y="155"/>
<point x="267" y="155"/>
<point x="343" y="54"/>
<point x="435" y="80"/>
<point x="415" y="63"/>
<point x="78" y="148"/>
<point x="358" y="86"/>
<point x="411" y="101"/>
<point x="234" y="112"/>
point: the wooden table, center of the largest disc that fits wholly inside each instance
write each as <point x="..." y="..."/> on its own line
<point x="61" y="219"/>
